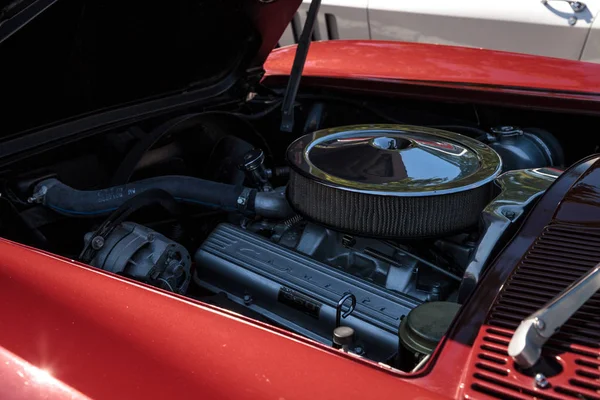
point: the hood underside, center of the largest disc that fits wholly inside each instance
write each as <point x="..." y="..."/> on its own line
<point x="78" y="57"/>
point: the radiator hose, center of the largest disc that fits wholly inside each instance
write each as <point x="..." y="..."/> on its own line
<point x="72" y="202"/>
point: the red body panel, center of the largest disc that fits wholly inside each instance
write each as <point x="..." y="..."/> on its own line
<point x="379" y="60"/>
<point x="110" y="338"/>
<point x="569" y="241"/>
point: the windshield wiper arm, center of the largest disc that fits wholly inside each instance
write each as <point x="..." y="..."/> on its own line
<point x="525" y="347"/>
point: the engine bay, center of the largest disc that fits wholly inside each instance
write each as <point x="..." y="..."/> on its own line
<point x="365" y="231"/>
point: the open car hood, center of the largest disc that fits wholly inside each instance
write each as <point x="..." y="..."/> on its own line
<point x="62" y="59"/>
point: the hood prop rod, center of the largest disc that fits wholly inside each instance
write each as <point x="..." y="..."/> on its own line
<point x="287" y="109"/>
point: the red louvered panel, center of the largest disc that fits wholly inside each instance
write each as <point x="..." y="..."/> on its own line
<point x="557" y="258"/>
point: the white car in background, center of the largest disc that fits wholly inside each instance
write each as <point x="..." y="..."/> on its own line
<point x="555" y="28"/>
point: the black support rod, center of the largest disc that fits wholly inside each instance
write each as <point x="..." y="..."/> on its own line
<point x="287" y="109"/>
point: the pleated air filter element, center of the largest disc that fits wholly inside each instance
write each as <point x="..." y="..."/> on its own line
<point x="391" y="180"/>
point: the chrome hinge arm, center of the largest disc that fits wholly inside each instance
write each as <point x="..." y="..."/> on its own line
<point x="525" y="346"/>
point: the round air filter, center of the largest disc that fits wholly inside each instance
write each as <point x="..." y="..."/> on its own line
<point x="391" y="180"/>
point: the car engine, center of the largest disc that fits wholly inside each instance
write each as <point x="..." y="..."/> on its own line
<point x="379" y="182"/>
<point x="367" y="239"/>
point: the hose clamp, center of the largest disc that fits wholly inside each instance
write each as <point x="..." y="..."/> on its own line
<point x="243" y="199"/>
<point x="39" y="195"/>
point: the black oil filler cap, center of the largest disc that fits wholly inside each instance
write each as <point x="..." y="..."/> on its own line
<point x="425" y="325"/>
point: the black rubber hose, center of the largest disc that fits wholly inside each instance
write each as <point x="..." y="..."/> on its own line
<point x="91" y="203"/>
<point x="69" y="201"/>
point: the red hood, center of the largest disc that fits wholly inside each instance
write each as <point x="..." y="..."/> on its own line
<point x="111" y="338"/>
<point x="439" y="65"/>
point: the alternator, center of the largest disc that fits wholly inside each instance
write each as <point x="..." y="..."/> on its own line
<point x="140" y="253"/>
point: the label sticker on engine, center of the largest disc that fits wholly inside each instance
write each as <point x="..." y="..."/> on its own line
<point x="299" y="301"/>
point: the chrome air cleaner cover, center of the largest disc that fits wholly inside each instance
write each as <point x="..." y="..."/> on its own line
<point x="391" y="180"/>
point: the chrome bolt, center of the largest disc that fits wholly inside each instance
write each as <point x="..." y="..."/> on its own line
<point x="241" y="201"/>
<point x="578" y="6"/>
<point x="541" y="381"/>
<point x="572" y="21"/>
<point x="358" y="350"/>
<point x="247" y="299"/>
<point x="509" y="214"/>
<point x="97" y="243"/>
<point x="540" y="324"/>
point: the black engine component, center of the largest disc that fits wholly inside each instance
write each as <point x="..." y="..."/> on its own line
<point x="423" y="328"/>
<point x="421" y="331"/>
<point x="298" y="292"/>
<point x="254" y="168"/>
<point x="69" y="201"/>
<point x="391" y="180"/>
<point x="384" y="263"/>
<point x="525" y="148"/>
<point x="138" y="252"/>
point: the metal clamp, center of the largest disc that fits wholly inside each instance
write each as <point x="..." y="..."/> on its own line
<point x="243" y="199"/>
<point x="38" y="196"/>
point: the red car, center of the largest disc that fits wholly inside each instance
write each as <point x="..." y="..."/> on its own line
<point x="183" y="217"/>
